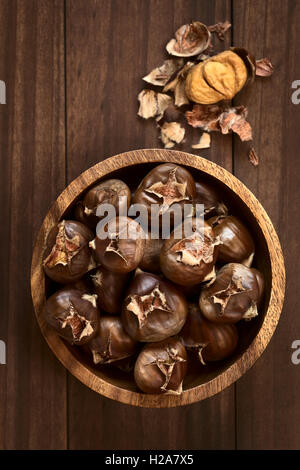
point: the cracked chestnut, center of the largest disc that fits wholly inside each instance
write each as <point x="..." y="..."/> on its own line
<point x="211" y="341"/>
<point x="110" y="288"/>
<point x="113" y="191"/>
<point x="165" y="185"/>
<point x="111" y="343"/>
<point x="209" y="197"/>
<point x="237" y="243"/>
<point x="153" y="309"/>
<point x="121" y="247"/>
<point x="161" y="367"/>
<point x="67" y="256"/>
<point x="233" y="295"/>
<point x="73" y="315"/>
<point x="189" y="260"/>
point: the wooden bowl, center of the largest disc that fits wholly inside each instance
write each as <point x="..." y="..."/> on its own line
<point x="254" y="335"/>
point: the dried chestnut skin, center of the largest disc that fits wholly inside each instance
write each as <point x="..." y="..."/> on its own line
<point x="111" y="343"/>
<point x="67" y="255"/>
<point x="161" y="367"/>
<point x="112" y="191"/>
<point x="110" y="288"/>
<point x="165" y="185"/>
<point x="212" y="341"/>
<point x="73" y="315"/>
<point x="150" y="261"/>
<point x="118" y="254"/>
<point x="232" y="296"/>
<point x="188" y="261"/>
<point x="208" y="196"/>
<point x="153" y="309"/>
<point x="237" y="243"/>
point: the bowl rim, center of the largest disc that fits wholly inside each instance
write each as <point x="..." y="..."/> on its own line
<point x="236" y="369"/>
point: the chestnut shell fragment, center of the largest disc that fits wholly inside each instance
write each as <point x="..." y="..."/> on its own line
<point x="237" y="243"/>
<point x="212" y="341"/>
<point x="73" y="315"/>
<point x="161" y="367"/>
<point x="111" y="343"/>
<point x="67" y="256"/>
<point x="187" y="261"/>
<point x="233" y="295"/>
<point x="154" y="309"/>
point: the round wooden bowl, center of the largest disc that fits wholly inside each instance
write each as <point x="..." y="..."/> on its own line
<point x="254" y="335"/>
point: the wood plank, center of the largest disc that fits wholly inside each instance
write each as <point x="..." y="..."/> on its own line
<point x="268" y="407"/>
<point x="110" y="46"/>
<point x="32" y="140"/>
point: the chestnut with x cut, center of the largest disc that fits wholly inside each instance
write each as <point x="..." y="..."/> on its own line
<point x="233" y="295"/>
<point x="73" y="315"/>
<point x="165" y="185"/>
<point x="190" y="260"/>
<point x="154" y="309"/>
<point x="67" y="256"/>
<point x="161" y="367"/>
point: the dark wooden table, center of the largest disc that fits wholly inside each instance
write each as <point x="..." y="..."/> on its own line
<point x="73" y="71"/>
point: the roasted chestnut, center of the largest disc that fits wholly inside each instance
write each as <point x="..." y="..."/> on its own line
<point x="113" y="191"/>
<point x="120" y="247"/>
<point x="207" y="196"/>
<point x="237" y="243"/>
<point x="211" y="341"/>
<point x="165" y="185"/>
<point x="261" y="285"/>
<point x="153" y="309"/>
<point x="67" y="255"/>
<point x="161" y="367"/>
<point x="150" y="260"/>
<point x="233" y="295"/>
<point x="111" y="343"/>
<point x="73" y="315"/>
<point x="110" y="288"/>
<point x="189" y="261"/>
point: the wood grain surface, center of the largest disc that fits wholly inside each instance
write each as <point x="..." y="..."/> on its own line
<point x="73" y="70"/>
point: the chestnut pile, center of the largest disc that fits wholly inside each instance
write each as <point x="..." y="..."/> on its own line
<point x="148" y="305"/>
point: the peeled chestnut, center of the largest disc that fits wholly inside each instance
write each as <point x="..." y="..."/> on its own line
<point x="111" y="343"/>
<point x="150" y="260"/>
<point x="237" y="243"/>
<point x="161" y="367"/>
<point x="212" y="341"/>
<point x="165" y="185"/>
<point x="67" y="255"/>
<point x="189" y="260"/>
<point x="120" y="246"/>
<point x="208" y="196"/>
<point x="73" y="315"/>
<point x="112" y="191"/>
<point x="233" y="295"/>
<point x="110" y="288"/>
<point x="153" y="309"/>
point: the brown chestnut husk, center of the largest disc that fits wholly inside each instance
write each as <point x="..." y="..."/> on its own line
<point x="73" y="315"/>
<point x="67" y="255"/>
<point x="113" y="191"/>
<point x="161" y="367"/>
<point x="189" y="261"/>
<point x="111" y="343"/>
<point x="233" y="295"/>
<point x="211" y="341"/>
<point x="123" y="248"/>
<point x="150" y="261"/>
<point x="153" y="309"/>
<point x="110" y="288"/>
<point x="165" y="185"/>
<point x="237" y="245"/>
